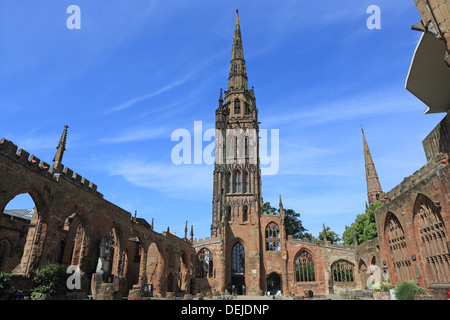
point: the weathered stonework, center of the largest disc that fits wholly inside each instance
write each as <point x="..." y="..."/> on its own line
<point x="68" y="205"/>
<point x="413" y="222"/>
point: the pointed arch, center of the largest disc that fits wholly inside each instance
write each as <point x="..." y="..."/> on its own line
<point x="398" y="248"/>
<point x="238" y="259"/>
<point x="343" y="271"/>
<point x="205" y="264"/>
<point x="432" y="237"/>
<point x="237" y="180"/>
<point x="5" y="253"/>
<point x="245" y="213"/>
<point x="37" y="229"/>
<point x="272" y="237"/>
<point x="237" y="106"/>
<point x="246" y="184"/>
<point x="304" y="266"/>
<point x="229" y="180"/>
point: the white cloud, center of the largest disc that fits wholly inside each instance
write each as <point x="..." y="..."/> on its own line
<point x="191" y="182"/>
<point x="159" y="91"/>
<point x="139" y="134"/>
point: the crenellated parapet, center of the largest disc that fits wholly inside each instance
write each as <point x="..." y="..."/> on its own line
<point x="32" y="162"/>
<point x="9" y="149"/>
<point x="438" y="163"/>
<point x="205" y="241"/>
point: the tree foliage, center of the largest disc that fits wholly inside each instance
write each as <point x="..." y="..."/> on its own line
<point x="331" y="235"/>
<point x="50" y="280"/>
<point x="364" y="228"/>
<point x="5" y="283"/>
<point x="293" y="224"/>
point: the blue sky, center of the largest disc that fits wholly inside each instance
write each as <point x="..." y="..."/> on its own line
<point x="137" y="70"/>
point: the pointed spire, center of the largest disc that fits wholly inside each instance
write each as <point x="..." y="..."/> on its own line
<point x="185" y="230"/>
<point x="281" y="203"/>
<point x="57" y="160"/>
<point x="192" y="232"/>
<point x="237" y="79"/>
<point x="373" y="183"/>
<point x="221" y="98"/>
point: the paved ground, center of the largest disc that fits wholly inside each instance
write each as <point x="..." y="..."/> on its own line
<point x="320" y="297"/>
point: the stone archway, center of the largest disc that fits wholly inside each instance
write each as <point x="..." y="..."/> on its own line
<point x="274" y="283"/>
<point x="238" y="269"/>
<point x="31" y="249"/>
<point x="363" y="274"/>
<point x="72" y="239"/>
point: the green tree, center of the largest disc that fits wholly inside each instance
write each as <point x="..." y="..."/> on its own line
<point x="331" y="235"/>
<point x="364" y="228"/>
<point x="5" y="283"/>
<point x="292" y="222"/>
<point x="50" y="280"/>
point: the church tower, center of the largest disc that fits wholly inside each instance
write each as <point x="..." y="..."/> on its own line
<point x="237" y="174"/>
<point x="237" y="200"/>
<point x="373" y="183"/>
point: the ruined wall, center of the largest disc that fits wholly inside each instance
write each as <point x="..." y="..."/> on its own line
<point x="13" y="233"/>
<point x="398" y="224"/>
<point x="438" y="140"/>
<point x="324" y="256"/>
<point x="57" y="197"/>
<point x="368" y="254"/>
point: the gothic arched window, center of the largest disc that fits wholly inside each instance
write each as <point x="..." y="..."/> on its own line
<point x="237" y="182"/>
<point x="245" y="214"/>
<point x="229" y="183"/>
<point x="246" y="148"/>
<point x="204" y="264"/>
<point x="342" y="271"/>
<point x="272" y="237"/>
<point x="433" y="235"/>
<point x="228" y="213"/>
<point x="238" y="259"/>
<point x="399" y="250"/>
<point x="245" y="182"/>
<point x="304" y="267"/>
<point x="237" y="106"/>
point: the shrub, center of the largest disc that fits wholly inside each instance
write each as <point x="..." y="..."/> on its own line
<point x="49" y="280"/>
<point x="407" y="289"/>
<point x="5" y="283"/>
<point x="381" y="287"/>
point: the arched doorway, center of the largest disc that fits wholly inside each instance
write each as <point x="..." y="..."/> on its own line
<point x="25" y="233"/>
<point x="273" y="283"/>
<point x="153" y="268"/>
<point x="363" y="274"/>
<point x="71" y="241"/>
<point x="238" y="269"/>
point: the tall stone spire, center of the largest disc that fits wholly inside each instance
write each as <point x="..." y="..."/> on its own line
<point x="57" y="161"/>
<point x="237" y="79"/>
<point x="373" y="183"/>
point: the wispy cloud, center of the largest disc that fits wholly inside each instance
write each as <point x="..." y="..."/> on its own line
<point x="189" y="182"/>
<point x="344" y="109"/>
<point x="139" y="134"/>
<point x="159" y="91"/>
